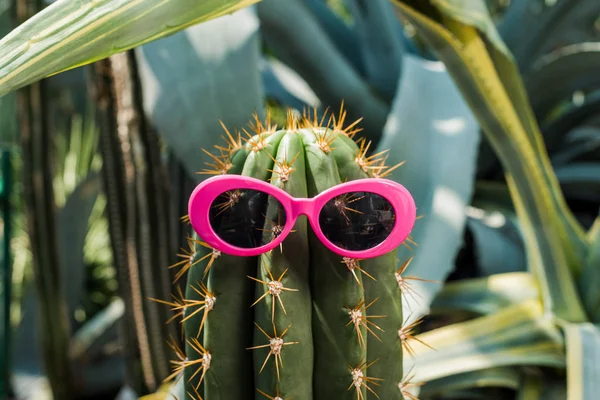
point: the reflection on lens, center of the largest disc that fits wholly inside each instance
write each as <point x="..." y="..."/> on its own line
<point x="247" y="218"/>
<point x="357" y="221"/>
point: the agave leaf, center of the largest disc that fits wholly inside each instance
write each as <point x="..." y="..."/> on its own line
<point x="432" y="129"/>
<point x="505" y="377"/>
<point x="493" y="194"/>
<point x="343" y="37"/>
<point x="590" y="278"/>
<point x="101" y="371"/>
<point x="583" y="353"/>
<point x="537" y="386"/>
<point x="315" y="58"/>
<point x="481" y="65"/>
<point x="284" y="85"/>
<point x="532" y="29"/>
<point x="579" y="142"/>
<point x="379" y="42"/>
<point x="72" y="225"/>
<point x="198" y="77"/>
<point x="8" y="120"/>
<point x="498" y="244"/>
<point x="517" y="335"/>
<point x="71" y="33"/>
<point x="557" y="75"/>
<point x="531" y="387"/>
<point x="487" y="295"/>
<point x="580" y="180"/>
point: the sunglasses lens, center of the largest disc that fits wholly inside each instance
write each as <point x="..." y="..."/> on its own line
<point x="247" y="218"/>
<point x="357" y="221"/>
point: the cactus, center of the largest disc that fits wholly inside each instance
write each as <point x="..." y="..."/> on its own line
<point x="300" y="321"/>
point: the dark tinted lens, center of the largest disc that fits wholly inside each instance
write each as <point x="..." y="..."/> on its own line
<point x="247" y="218"/>
<point x="357" y="221"/>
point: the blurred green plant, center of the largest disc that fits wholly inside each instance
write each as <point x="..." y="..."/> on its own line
<point x="509" y="219"/>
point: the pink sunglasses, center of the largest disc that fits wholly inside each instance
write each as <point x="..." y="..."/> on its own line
<point x="244" y="216"/>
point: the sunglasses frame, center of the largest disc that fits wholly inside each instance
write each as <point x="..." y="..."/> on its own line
<point x="207" y="191"/>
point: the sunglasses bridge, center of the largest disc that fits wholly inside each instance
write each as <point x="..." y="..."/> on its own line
<point x="302" y="206"/>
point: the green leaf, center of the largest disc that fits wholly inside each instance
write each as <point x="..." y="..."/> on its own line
<point x="582" y="141"/>
<point x="8" y="113"/>
<point x="517" y="335"/>
<point x="338" y="30"/>
<point x="71" y="33"/>
<point x="493" y="194"/>
<point x="296" y="38"/>
<point x="580" y="180"/>
<point x="285" y="86"/>
<point x="432" y="129"/>
<point x="583" y="353"/>
<point x="198" y="77"/>
<point x="379" y="42"/>
<point x="590" y="278"/>
<point x="88" y="350"/>
<point x="72" y="226"/>
<point x="486" y="295"/>
<point x="464" y="37"/>
<point x="532" y="29"/>
<point x="497" y="241"/>
<point x="505" y="377"/>
<point x="541" y="385"/>
<point x="556" y="76"/>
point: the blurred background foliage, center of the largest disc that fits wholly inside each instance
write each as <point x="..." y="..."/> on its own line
<point x="118" y="144"/>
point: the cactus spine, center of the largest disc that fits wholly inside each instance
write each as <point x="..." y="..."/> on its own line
<point x="299" y="321"/>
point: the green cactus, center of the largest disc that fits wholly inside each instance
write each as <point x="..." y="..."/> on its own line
<point x="300" y="321"/>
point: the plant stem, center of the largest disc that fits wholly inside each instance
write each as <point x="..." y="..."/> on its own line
<point x="38" y="197"/>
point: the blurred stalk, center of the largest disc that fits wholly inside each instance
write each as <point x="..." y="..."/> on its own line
<point x="136" y="186"/>
<point x="7" y="139"/>
<point x="5" y="329"/>
<point x="40" y="215"/>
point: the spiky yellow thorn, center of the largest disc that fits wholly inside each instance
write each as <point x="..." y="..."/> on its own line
<point x="292" y="120"/>
<point x="360" y="379"/>
<point x="342" y="203"/>
<point x="179" y="363"/>
<point x="185" y="219"/>
<point x="178" y="305"/>
<point x="406" y="333"/>
<point x="188" y="258"/>
<point x="277" y="394"/>
<point x="368" y="163"/>
<point x="408" y="242"/>
<point x="406" y="383"/>
<point x="259" y="127"/>
<point x="202" y="363"/>
<point x="275" y="289"/>
<point x="192" y="397"/>
<point x="275" y="345"/>
<point x="358" y="317"/>
<point x="233" y="197"/>
<point x="233" y="143"/>
<point x="284" y="168"/>
<point x="380" y="170"/>
<point x="353" y="264"/>
<point x="276" y="228"/>
<point x="310" y="120"/>
<point x="404" y="281"/>
<point x="220" y="166"/>
<point x="205" y="305"/>
<point x="338" y="124"/>
<point x="325" y="138"/>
